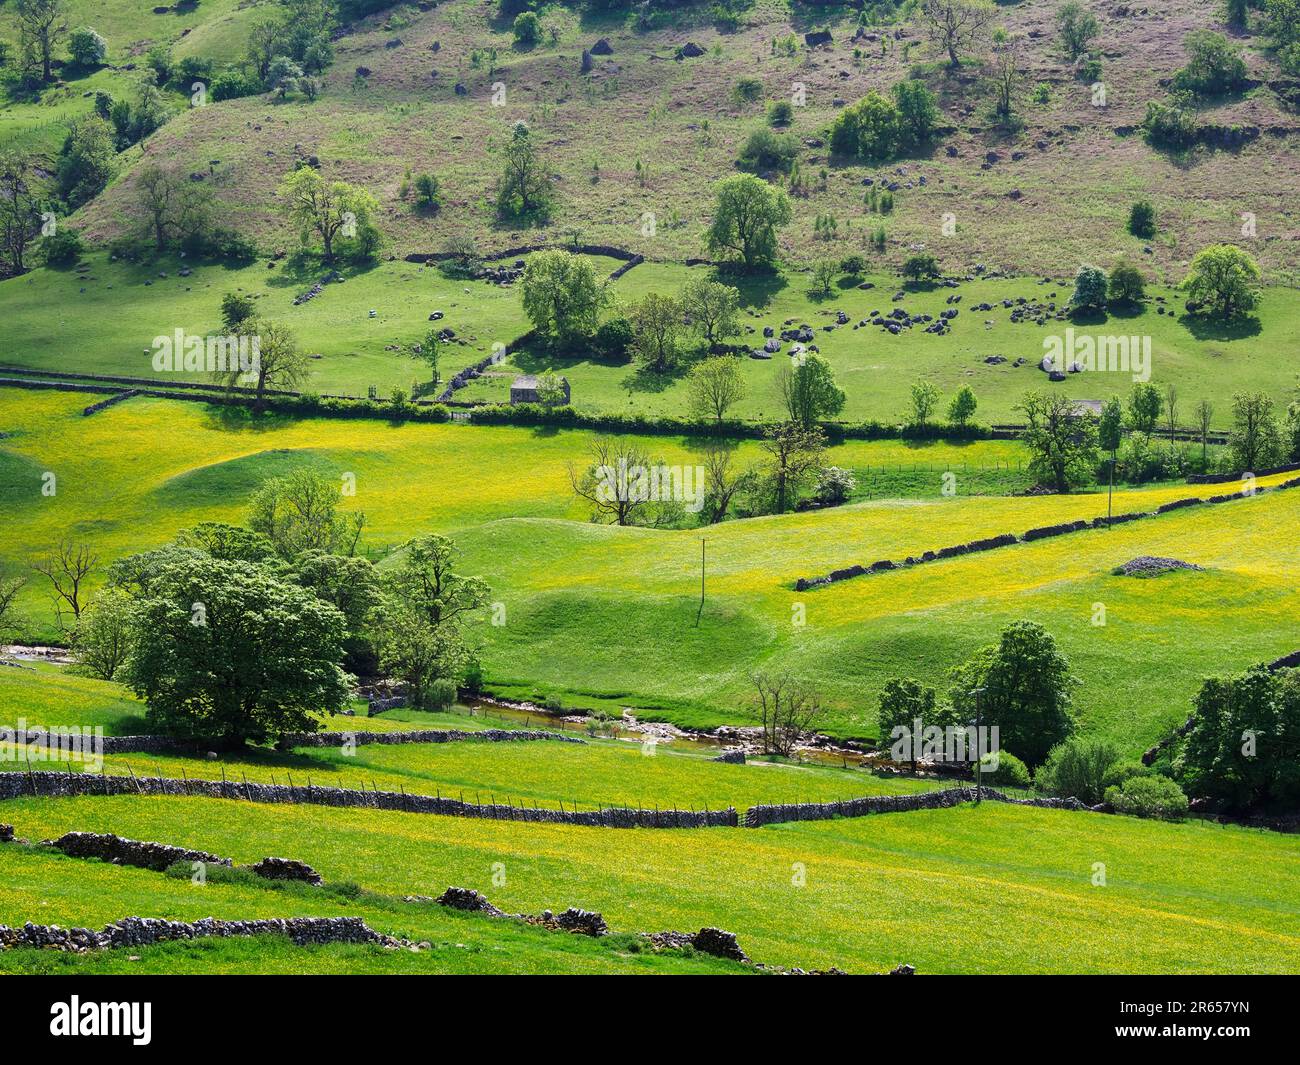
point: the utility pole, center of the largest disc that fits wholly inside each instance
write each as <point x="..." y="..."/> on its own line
<point x="979" y="760"/>
<point x="700" y="612"/>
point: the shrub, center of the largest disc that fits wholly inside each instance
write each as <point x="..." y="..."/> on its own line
<point x="87" y="48"/>
<point x="440" y="695"/>
<point x="1011" y="772"/>
<point x="853" y="265"/>
<point x="1089" y="69"/>
<point x="527" y="28"/>
<point x="1126" y="284"/>
<point x="748" y="90"/>
<point x="1122" y="772"/>
<point x="194" y="68"/>
<point x="1142" y="220"/>
<point x="1089" y="289"/>
<point x="1168" y="125"/>
<point x="613" y="340"/>
<point x="834" y="486"/>
<point x="918" y="110"/>
<point x="1078" y="768"/>
<point x="427" y="191"/>
<point x="780" y="113"/>
<point x="921" y="267"/>
<point x="1157" y="797"/>
<point x="872" y="128"/>
<point x="233" y="84"/>
<point x="63" y="247"/>
<point x="1214" y="66"/>
<point x="765" y="150"/>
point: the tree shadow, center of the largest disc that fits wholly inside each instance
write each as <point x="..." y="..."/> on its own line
<point x="1203" y="328"/>
<point x="1089" y="316"/>
<point x="1127" y="309"/>
<point x="647" y="381"/>
<point x="756" y="289"/>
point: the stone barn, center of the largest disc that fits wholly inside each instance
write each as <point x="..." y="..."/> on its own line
<point x="526" y="388"/>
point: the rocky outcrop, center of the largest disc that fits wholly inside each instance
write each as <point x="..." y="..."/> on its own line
<point x="1151" y="566"/>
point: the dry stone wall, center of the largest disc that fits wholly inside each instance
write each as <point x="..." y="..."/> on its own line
<point x="146" y="931"/>
<point x="16" y="784"/>
<point x="804" y="584"/>
<point x="143" y="855"/>
<point x="757" y="816"/>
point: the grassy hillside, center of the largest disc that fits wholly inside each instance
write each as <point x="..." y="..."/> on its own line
<point x="1075" y="176"/>
<point x="607" y="617"/>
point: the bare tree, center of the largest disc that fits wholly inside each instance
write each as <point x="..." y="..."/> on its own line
<point x="1204" y="415"/>
<point x="9" y="590"/>
<point x="20" y="210"/>
<point x="618" y="484"/>
<point x="1171" y="410"/>
<point x="1006" y="67"/>
<point x="721" y="481"/>
<point x="787" y="709"/>
<point x="66" y="567"/>
<point x="957" y="24"/>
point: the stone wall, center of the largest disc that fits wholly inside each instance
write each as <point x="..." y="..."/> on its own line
<point x="488" y="735"/>
<point x="803" y="584"/>
<point x="146" y="931"/>
<point x="167" y="745"/>
<point x="1224" y="478"/>
<point x="17" y="784"/>
<point x="757" y="816"/>
<point x="110" y="848"/>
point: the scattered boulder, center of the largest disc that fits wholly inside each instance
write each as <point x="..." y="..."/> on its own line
<point x="601" y="47"/>
<point x="817" y="38"/>
<point x="690" y="50"/>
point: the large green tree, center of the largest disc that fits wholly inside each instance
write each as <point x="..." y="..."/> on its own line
<point x="330" y="209"/>
<point x="746" y="216"/>
<point x="1243" y="743"/>
<point x="1027" y="686"/>
<point x="1223" y="281"/>
<point x="226" y="654"/>
<point x="421" y="621"/>
<point x="562" y="296"/>
<point x="809" y="391"/>
<point x="1062" y="441"/>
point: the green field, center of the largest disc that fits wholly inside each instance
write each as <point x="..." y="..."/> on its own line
<point x="993" y="889"/>
<point x="118" y="308"/>
<point x="576" y="628"/>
